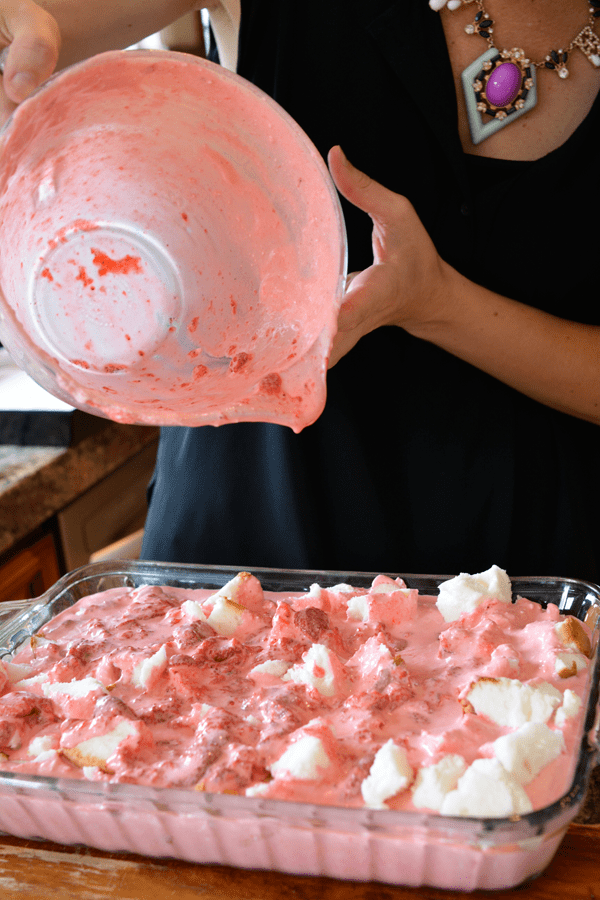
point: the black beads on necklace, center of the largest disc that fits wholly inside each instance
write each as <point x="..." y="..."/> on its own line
<point x="557" y="58"/>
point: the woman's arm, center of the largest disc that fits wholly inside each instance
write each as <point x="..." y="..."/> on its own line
<point x="552" y="360"/>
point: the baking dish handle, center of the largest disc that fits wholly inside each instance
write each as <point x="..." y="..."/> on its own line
<point x="10" y="613"/>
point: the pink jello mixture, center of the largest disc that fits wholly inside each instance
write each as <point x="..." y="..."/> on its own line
<point x="341" y="696"/>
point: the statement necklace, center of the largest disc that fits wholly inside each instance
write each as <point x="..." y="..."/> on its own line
<point x="500" y="85"/>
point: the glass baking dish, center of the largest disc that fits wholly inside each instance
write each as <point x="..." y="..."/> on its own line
<point x="397" y="847"/>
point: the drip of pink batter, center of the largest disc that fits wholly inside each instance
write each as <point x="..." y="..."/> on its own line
<point x="303" y="696"/>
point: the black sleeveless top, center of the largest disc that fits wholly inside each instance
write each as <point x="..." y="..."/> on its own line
<point x="420" y="462"/>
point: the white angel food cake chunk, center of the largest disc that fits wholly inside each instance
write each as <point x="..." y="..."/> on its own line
<point x="390" y="773"/>
<point x="573" y="635"/>
<point x="511" y="703"/>
<point x="43" y="746"/>
<point x="309" y="756"/>
<point x="571" y="705"/>
<point x="490" y="786"/>
<point x="77" y="698"/>
<point x="486" y="789"/>
<point x="304" y="759"/>
<point x="569" y="663"/>
<point x="148" y="670"/>
<point x="270" y="668"/>
<point x="239" y="602"/>
<point x="31" y="683"/>
<point x="192" y="610"/>
<point x="12" y="672"/>
<point x="434" y="782"/>
<point x="96" y="751"/>
<point x="526" y="751"/>
<point x="464" y="593"/>
<point x="370" y="662"/>
<point x="320" y="668"/>
<point x="388" y="602"/>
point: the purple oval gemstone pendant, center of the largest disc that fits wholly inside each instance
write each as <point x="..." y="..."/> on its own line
<point x="504" y="84"/>
<point x="499" y="86"/>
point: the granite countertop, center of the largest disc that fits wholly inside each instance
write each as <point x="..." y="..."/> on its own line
<point x="36" y="482"/>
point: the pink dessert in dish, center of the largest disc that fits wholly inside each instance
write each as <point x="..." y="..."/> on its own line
<point x="418" y="731"/>
<point x="343" y="696"/>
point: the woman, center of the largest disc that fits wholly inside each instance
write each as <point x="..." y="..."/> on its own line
<point x="464" y="395"/>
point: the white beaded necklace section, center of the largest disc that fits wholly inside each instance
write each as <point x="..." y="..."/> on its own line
<point x="436" y="5"/>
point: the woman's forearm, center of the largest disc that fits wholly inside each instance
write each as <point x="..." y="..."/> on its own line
<point x="552" y="360"/>
<point x="89" y="28"/>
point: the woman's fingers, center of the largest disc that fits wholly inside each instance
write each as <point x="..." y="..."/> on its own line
<point x="32" y="40"/>
<point x="404" y="284"/>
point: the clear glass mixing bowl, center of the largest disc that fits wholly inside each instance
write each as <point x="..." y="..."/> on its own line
<point x="172" y="249"/>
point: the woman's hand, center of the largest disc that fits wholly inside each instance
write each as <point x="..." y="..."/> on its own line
<point x="405" y="284"/>
<point x="32" y="38"/>
<point x="552" y="360"/>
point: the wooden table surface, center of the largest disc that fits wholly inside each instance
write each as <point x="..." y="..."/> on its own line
<point x="32" y="869"/>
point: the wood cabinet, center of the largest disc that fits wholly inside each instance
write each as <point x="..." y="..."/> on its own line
<point x="30" y="572"/>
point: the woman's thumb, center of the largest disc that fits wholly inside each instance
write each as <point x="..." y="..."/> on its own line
<point x="361" y="190"/>
<point x="33" y="51"/>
